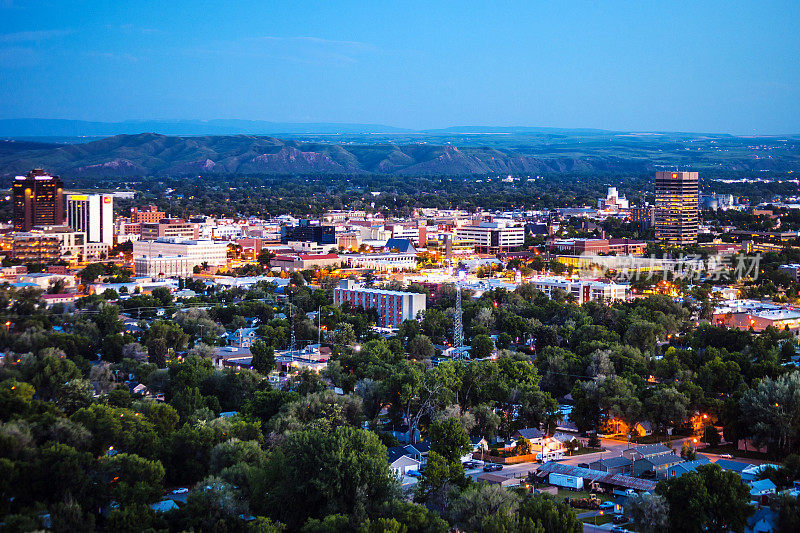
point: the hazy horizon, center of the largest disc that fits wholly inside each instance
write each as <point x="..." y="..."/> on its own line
<point x="368" y="128"/>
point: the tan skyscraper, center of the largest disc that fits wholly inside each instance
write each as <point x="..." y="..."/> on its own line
<point x="676" y="210"/>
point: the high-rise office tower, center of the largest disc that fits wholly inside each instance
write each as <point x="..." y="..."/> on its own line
<point x="38" y="200"/>
<point x="93" y="214"/>
<point x="676" y="209"/>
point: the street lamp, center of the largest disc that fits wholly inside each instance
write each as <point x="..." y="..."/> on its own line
<point x="595" y="516"/>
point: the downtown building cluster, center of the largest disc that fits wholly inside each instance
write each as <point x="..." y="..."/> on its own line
<point x="429" y="248"/>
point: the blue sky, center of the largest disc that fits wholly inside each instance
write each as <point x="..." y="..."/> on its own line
<point x="708" y="66"/>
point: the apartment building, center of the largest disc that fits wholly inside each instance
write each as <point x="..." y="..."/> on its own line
<point x="393" y="306"/>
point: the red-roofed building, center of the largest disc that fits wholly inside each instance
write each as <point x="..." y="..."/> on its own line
<point x="305" y="261"/>
<point x="52" y="299"/>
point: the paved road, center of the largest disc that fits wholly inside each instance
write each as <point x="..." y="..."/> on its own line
<point x="519" y="471"/>
<point x="614" y="448"/>
<point x="591" y="528"/>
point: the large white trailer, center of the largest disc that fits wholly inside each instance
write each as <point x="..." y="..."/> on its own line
<point x="564" y="480"/>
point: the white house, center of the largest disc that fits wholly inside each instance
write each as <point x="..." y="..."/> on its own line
<point x="400" y="462"/>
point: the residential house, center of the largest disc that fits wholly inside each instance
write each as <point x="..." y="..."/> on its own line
<point x="733" y="466"/>
<point x="401" y="433"/>
<point x="761" y="488"/>
<point x="532" y="434"/>
<point x="642" y="429"/>
<point x="418" y="450"/>
<point x="646" y="450"/>
<point x="567" y="439"/>
<point x="400" y="462"/>
<point x="478" y="444"/>
<point x="546" y="448"/>
<point x="683" y="468"/>
<point x="657" y="464"/>
<point x="243" y="337"/>
<point x="748" y="472"/>
<point x="567" y="426"/>
<point x="748" y="445"/>
<point x="751" y="473"/>
<point x="131" y="326"/>
<point x="67" y="299"/>
<point x="619" y="505"/>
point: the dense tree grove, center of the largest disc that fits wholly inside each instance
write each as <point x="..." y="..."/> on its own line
<point x="78" y="445"/>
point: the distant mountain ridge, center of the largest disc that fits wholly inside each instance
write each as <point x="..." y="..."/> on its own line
<point x="38" y="127"/>
<point x="151" y="154"/>
<point x="155" y="154"/>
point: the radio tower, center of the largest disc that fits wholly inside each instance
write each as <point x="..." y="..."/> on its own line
<point x="293" y="341"/>
<point x="458" y="330"/>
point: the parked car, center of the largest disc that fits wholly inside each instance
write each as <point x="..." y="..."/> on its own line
<point x="183" y="490"/>
<point x="414" y="473"/>
<point x="492" y="467"/>
<point x="607" y="505"/>
<point x="471" y="464"/>
<point x="619" y="519"/>
<point x="726" y="456"/>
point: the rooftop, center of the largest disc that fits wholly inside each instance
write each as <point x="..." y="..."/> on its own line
<point x="664" y="459"/>
<point x="652" y="449"/>
<point x="619" y="480"/>
<point x="735" y="466"/>
<point x="613" y="462"/>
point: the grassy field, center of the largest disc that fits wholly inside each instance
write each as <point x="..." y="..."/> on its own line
<point x="577" y="494"/>
<point x="584" y="451"/>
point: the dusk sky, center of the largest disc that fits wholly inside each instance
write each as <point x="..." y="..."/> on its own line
<point x="701" y="66"/>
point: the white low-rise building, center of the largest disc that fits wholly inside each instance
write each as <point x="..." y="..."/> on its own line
<point x="492" y="236"/>
<point x="164" y="267"/>
<point x="213" y="253"/>
<point x="582" y="290"/>
<point x="384" y="262"/>
<point x="45" y="280"/>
